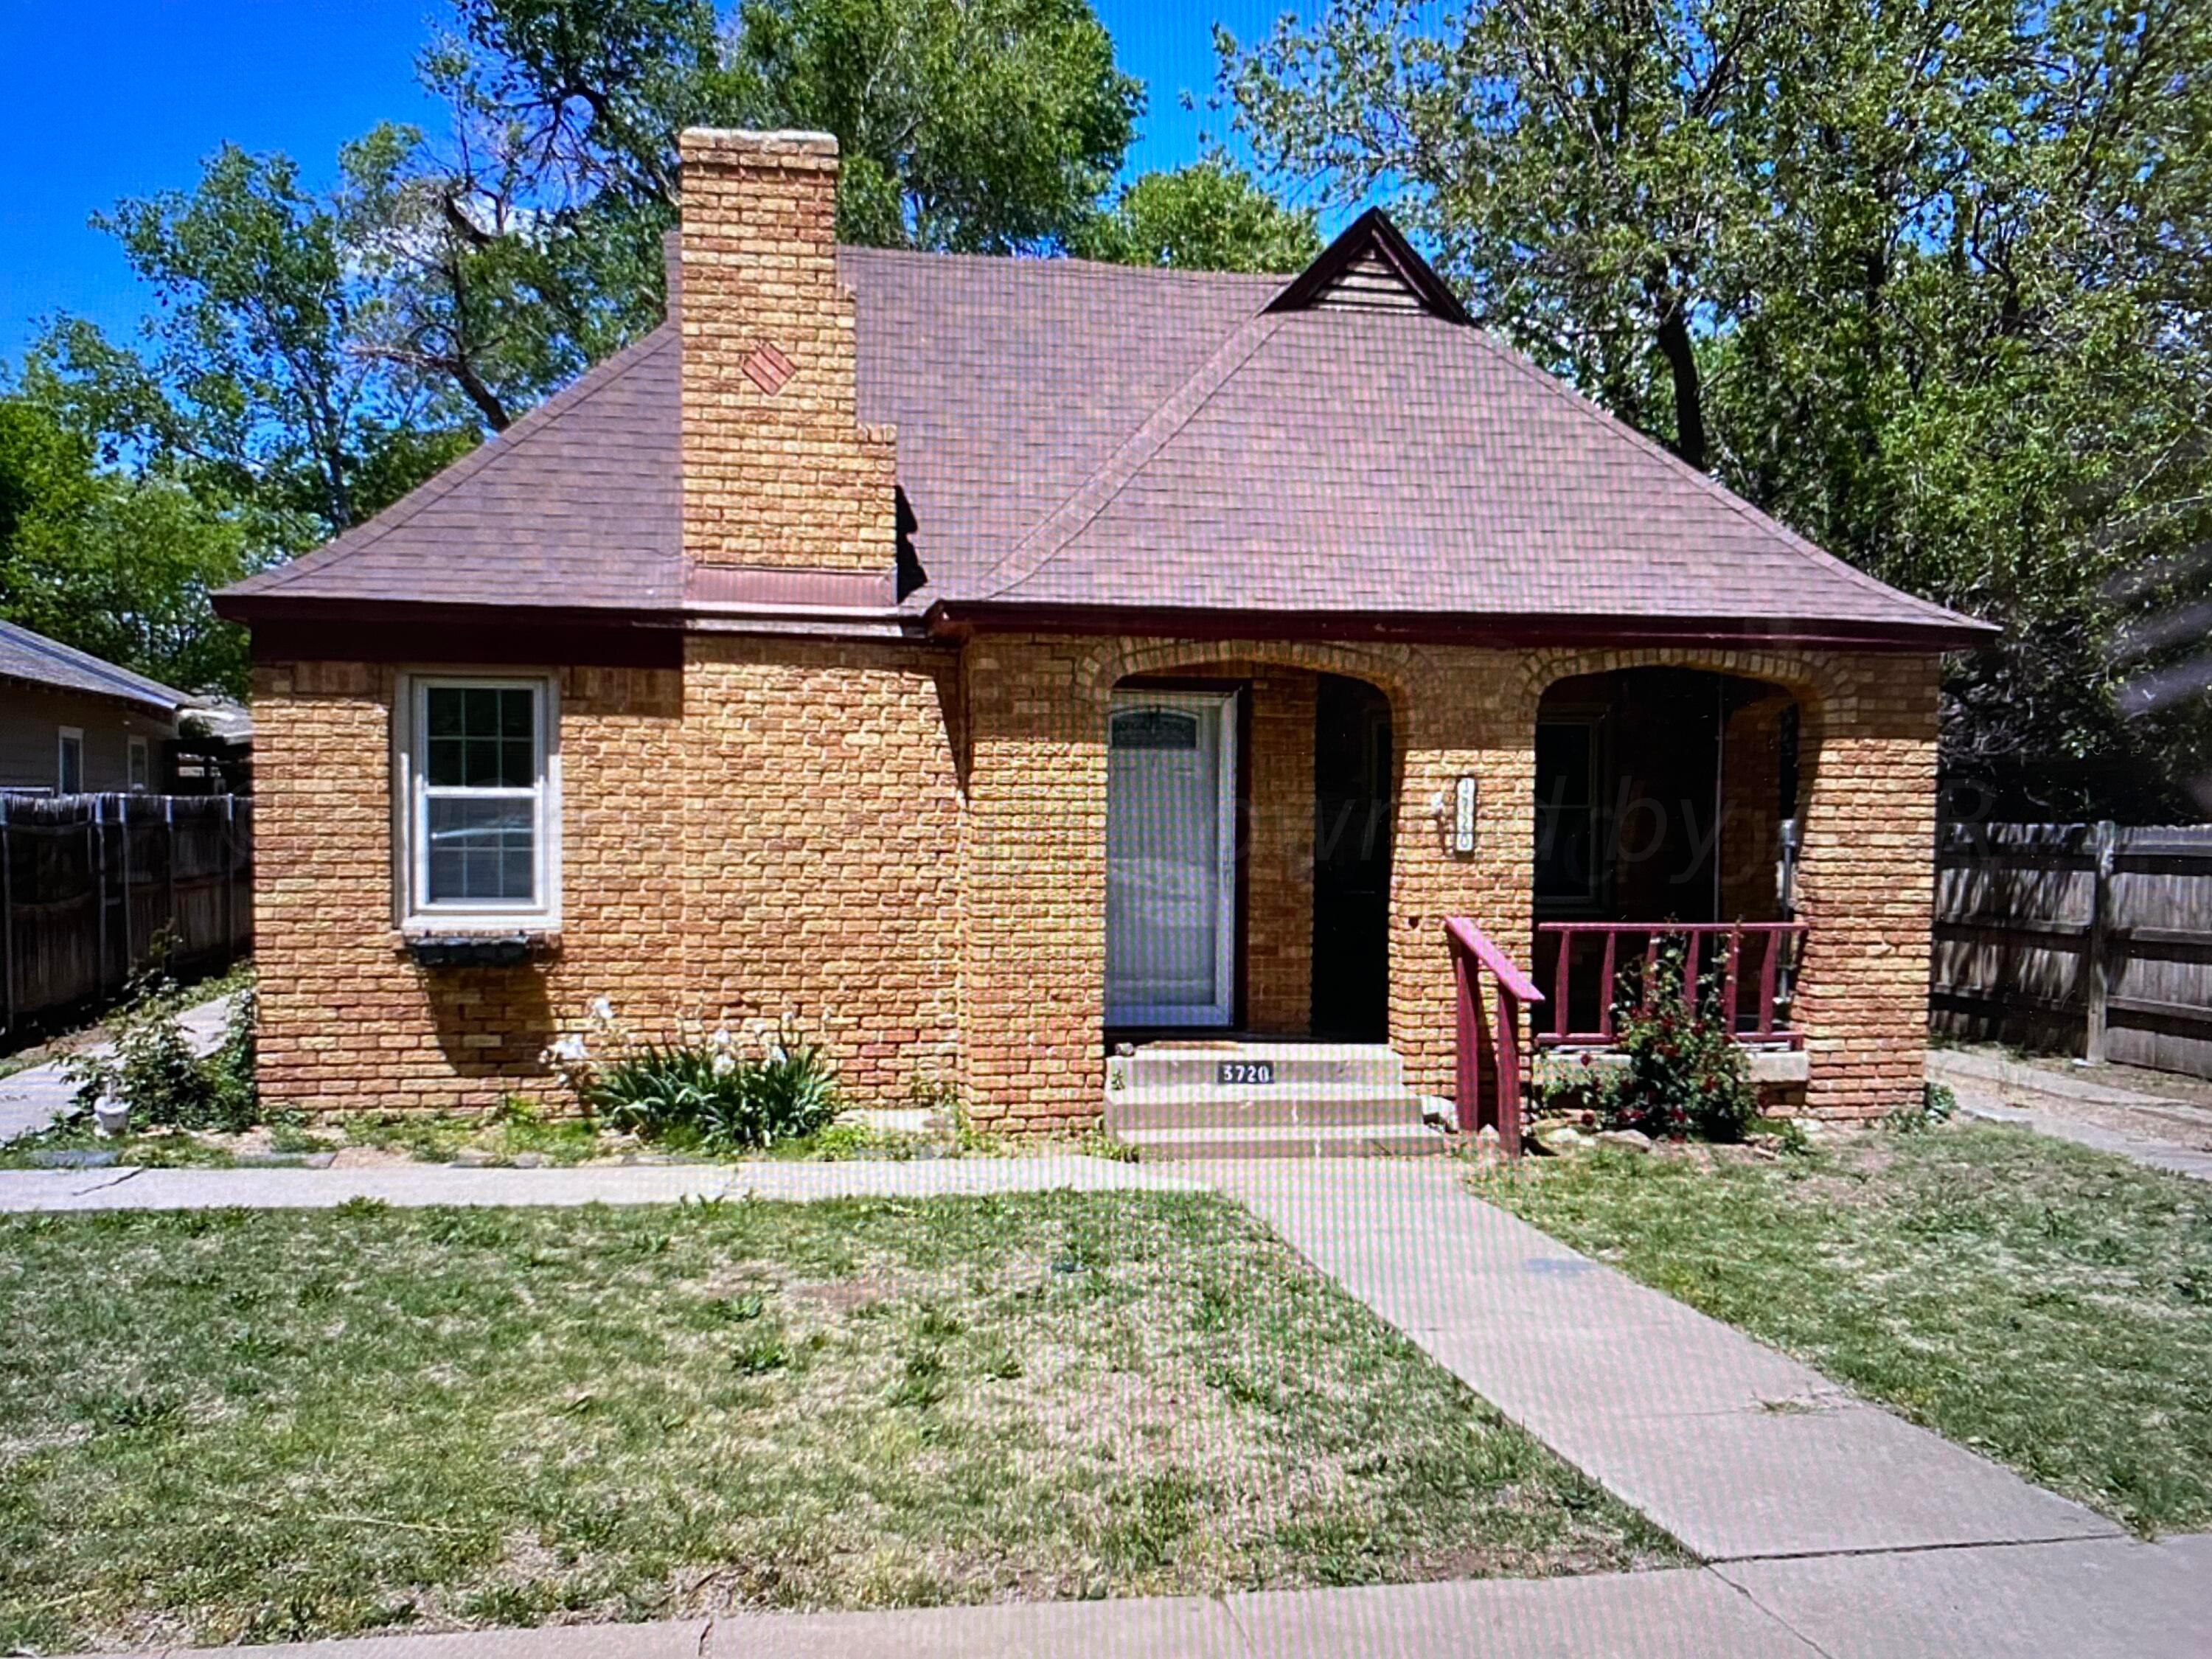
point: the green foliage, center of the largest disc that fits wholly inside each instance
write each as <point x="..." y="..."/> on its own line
<point x="153" y="1071"/>
<point x="1209" y="215"/>
<point x="978" y="126"/>
<point x="1926" y="282"/>
<point x="1936" y="1106"/>
<point x="700" y="1091"/>
<point x="1686" y="1074"/>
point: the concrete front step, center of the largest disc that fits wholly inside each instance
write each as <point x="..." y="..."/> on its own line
<point x="1300" y="1105"/>
<point x="1195" y="1062"/>
<point x="1382" y="1140"/>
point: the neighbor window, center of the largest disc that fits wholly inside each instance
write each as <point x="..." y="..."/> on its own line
<point x="479" y="822"/>
<point x="68" y="762"/>
<point x="142" y="766"/>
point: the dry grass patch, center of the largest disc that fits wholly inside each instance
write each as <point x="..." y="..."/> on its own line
<point x="253" y="1426"/>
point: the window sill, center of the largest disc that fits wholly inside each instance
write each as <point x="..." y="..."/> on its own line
<point x="479" y="946"/>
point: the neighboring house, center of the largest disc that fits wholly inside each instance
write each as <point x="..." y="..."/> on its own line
<point x="72" y="724"/>
<point x="992" y="661"/>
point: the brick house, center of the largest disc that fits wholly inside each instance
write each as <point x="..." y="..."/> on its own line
<point x="992" y="661"/>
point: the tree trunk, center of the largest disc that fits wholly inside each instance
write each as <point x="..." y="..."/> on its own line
<point x="1675" y="345"/>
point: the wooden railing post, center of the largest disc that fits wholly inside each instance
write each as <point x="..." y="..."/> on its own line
<point x="1470" y="1087"/>
<point x="1473" y="949"/>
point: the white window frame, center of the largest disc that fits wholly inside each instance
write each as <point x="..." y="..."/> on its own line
<point x="63" y="739"/>
<point x="410" y="807"/>
<point x="137" y="765"/>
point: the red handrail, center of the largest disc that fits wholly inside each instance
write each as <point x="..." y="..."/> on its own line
<point x="1773" y="939"/>
<point x="1472" y="950"/>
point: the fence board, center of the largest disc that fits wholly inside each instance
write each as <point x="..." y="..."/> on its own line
<point x="2015" y="952"/>
<point x="91" y="885"/>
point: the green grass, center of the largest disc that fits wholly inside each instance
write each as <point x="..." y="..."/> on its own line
<point x="227" y="1425"/>
<point x="2046" y="1304"/>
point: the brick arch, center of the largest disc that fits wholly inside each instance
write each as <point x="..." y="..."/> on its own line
<point x="1810" y="679"/>
<point x="1394" y="670"/>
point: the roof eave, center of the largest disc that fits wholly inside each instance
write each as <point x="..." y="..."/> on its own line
<point x="1485" y="628"/>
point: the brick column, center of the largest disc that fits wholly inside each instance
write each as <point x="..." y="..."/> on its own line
<point x="1866" y="883"/>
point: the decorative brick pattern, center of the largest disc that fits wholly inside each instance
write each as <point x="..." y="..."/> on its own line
<point x="778" y="469"/>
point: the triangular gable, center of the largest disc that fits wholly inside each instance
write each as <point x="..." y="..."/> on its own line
<point x="1371" y="267"/>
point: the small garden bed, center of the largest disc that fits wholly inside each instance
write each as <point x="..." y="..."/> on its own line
<point x="2046" y="1304"/>
<point x="232" y="1426"/>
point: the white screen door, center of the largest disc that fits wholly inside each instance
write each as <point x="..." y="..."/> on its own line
<point x="1171" y="859"/>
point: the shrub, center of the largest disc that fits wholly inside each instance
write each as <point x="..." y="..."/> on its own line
<point x="1931" y="1111"/>
<point x="1687" y="1075"/>
<point x="153" y="1069"/>
<point x="699" y="1090"/>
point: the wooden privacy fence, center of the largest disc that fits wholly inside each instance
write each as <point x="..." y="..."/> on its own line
<point x="2084" y="938"/>
<point x="92" y="885"/>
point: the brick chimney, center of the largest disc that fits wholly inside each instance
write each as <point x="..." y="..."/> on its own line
<point x="779" y="474"/>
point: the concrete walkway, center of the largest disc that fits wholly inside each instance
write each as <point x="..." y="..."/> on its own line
<point x="2091" y="1601"/>
<point x="2038" y="1098"/>
<point x="1740" y="1452"/>
<point x="34" y="1096"/>
<point x="416" y="1185"/>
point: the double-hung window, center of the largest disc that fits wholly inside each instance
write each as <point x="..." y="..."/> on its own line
<point x="480" y="820"/>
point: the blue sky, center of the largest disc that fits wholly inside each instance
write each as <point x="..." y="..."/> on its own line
<point x="113" y="97"/>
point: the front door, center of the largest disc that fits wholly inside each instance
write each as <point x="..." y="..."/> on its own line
<point x="1171" y="859"/>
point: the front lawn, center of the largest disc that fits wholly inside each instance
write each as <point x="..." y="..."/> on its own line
<point x="2046" y="1304"/>
<point x="230" y="1425"/>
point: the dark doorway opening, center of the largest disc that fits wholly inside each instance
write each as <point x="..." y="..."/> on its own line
<point x="1353" y="791"/>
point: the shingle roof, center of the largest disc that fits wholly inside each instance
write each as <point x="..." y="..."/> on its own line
<point x="1073" y="435"/>
<point x="577" y="505"/>
<point x="35" y="658"/>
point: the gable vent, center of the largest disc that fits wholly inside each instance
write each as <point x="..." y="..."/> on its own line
<point x="1368" y="284"/>
<point x="1370" y="267"/>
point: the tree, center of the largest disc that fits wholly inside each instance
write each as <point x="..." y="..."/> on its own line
<point x="117" y="565"/>
<point x="249" y="382"/>
<point x="1922" y="277"/>
<point x="1205" y="216"/>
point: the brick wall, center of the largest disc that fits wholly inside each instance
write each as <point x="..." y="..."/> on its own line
<point x="907" y="850"/>
<point x="1751" y="823"/>
<point x="777" y="470"/>
<point x="1034" y="869"/>
<point x="773" y="830"/>
<point x="347" y="1020"/>
<point x="1279" y="851"/>
<point x="821" y="847"/>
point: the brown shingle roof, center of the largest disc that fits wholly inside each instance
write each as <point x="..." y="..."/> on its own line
<point x="1073" y="434"/>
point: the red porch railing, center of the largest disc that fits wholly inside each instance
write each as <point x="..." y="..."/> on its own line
<point x="1739" y="968"/>
<point x="1473" y="950"/>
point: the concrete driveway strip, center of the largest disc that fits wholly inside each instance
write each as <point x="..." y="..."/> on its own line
<point x="1737" y="1450"/>
<point x="2108" y="1599"/>
<point x="421" y="1184"/>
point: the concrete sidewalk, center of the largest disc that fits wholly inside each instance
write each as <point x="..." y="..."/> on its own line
<point x="2107" y="1600"/>
<point x="421" y="1184"/>
<point x="34" y="1096"/>
<point x="1740" y="1452"/>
